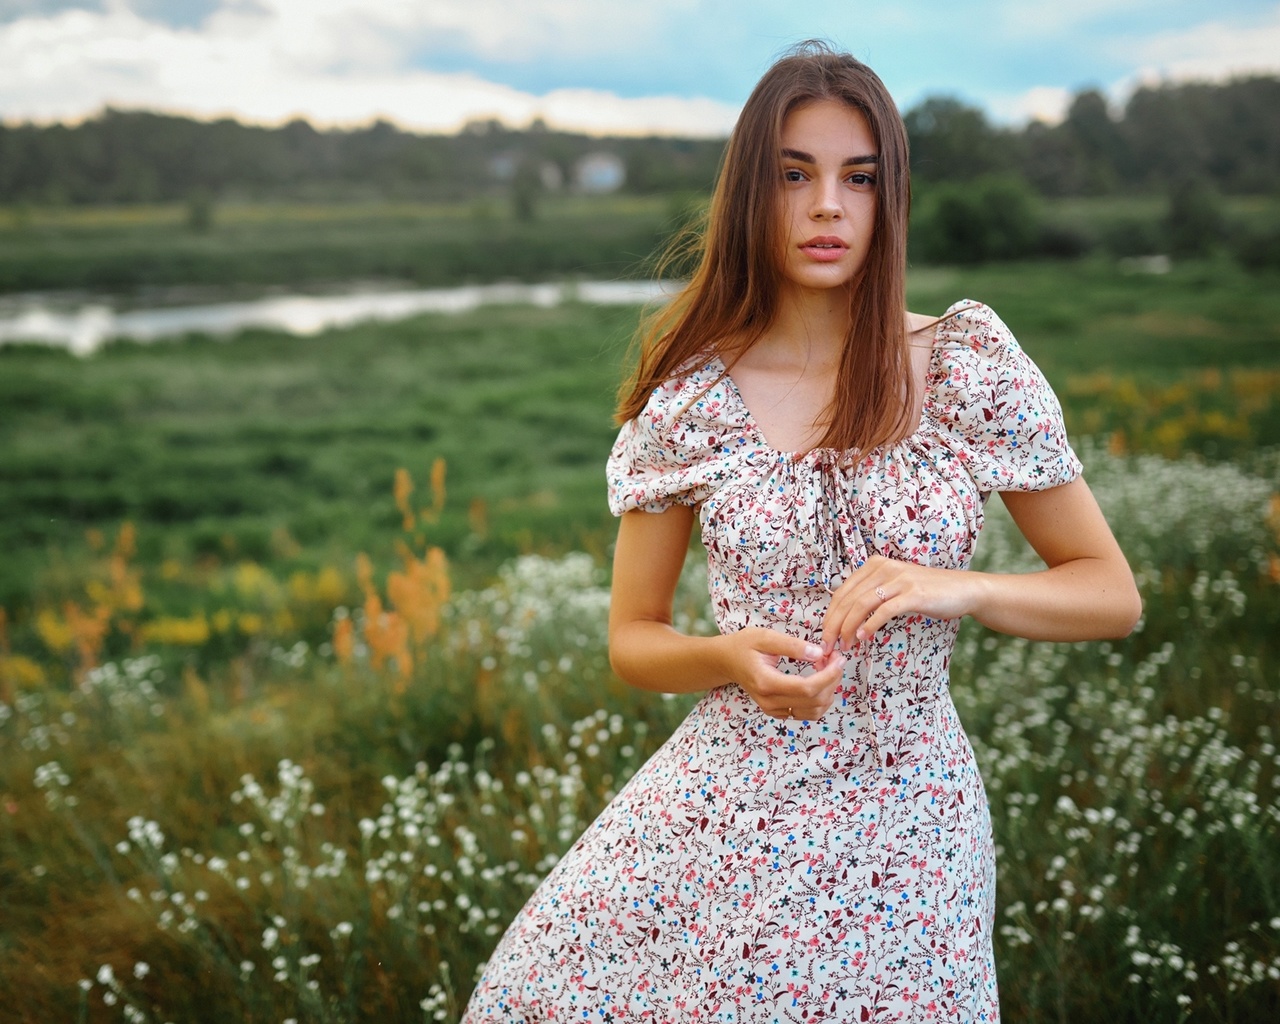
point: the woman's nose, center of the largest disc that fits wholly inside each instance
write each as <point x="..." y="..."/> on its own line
<point x="826" y="201"/>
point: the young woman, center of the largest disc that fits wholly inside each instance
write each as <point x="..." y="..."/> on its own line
<point x="813" y="843"/>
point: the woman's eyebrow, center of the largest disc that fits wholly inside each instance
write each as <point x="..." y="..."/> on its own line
<point x="850" y="161"/>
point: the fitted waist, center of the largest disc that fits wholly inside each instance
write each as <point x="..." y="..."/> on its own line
<point x="895" y="667"/>
<point x="877" y="729"/>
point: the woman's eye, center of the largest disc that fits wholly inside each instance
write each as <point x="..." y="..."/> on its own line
<point x="862" y="179"/>
<point x="791" y="174"/>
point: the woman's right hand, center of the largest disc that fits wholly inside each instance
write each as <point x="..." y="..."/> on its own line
<point x="752" y="657"/>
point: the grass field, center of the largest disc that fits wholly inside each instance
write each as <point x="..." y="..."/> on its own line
<point x="141" y="248"/>
<point x="267" y="446"/>
<point x="246" y="776"/>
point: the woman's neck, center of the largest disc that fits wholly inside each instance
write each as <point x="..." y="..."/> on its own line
<point x="809" y="329"/>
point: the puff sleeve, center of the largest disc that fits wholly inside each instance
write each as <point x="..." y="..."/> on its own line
<point x="677" y="450"/>
<point x="1004" y="418"/>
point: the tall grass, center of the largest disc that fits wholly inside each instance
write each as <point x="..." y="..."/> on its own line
<point x="279" y="450"/>
<point x="340" y="834"/>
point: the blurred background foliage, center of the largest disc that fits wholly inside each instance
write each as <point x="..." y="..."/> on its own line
<point x="1225" y="135"/>
<point x="1178" y="170"/>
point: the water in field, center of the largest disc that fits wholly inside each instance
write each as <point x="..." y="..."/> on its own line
<point x="85" y="326"/>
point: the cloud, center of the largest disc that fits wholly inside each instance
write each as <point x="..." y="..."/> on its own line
<point x="1198" y="51"/>
<point x="331" y="61"/>
<point x="11" y="9"/>
<point x="664" y="66"/>
<point x="499" y="30"/>
<point x="1042" y="103"/>
<point x="1214" y="50"/>
<point x="1047" y="20"/>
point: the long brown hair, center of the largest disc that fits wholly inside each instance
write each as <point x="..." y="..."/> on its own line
<point x="732" y="296"/>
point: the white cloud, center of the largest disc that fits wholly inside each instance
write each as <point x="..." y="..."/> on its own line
<point x="331" y="61"/>
<point x="601" y="112"/>
<point x="1041" y="103"/>
<point x="348" y="61"/>
<point x="1214" y="50"/>
<point x="1043" y="20"/>
<point x="502" y="30"/>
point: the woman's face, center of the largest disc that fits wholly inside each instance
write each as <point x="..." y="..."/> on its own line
<point x="829" y="165"/>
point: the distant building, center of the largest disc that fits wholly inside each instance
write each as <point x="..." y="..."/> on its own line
<point x="502" y="166"/>
<point x="599" y="172"/>
<point x="551" y="176"/>
<point x="505" y="167"/>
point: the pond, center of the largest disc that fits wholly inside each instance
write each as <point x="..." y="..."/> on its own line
<point x="84" y="326"/>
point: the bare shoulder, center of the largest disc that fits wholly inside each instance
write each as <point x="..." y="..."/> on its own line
<point x="920" y="328"/>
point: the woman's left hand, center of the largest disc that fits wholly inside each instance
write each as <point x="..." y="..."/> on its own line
<point x="883" y="588"/>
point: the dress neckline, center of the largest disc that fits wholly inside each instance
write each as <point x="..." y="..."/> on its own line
<point x="762" y="443"/>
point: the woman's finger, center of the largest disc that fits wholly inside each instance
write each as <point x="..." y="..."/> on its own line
<point x="806" y="697"/>
<point x="781" y="645"/>
<point x="888" y="609"/>
<point x="849" y="609"/>
<point x="895" y="589"/>
<point x="873" y="606"/>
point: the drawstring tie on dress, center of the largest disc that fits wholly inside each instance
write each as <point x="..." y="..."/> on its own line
<point x="829" y="512"/>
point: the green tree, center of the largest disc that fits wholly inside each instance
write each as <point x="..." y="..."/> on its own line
<point x="951" y="141"/>
<point x="1195" y="223"/>
<point x="200" y="211"/>
<point x="1101" y="153"/>
<point x="526" y="189"/>
<point x="991" y="218"/>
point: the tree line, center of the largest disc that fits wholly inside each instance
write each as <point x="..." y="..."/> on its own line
<point x="134" y="156"/>
<point x="1225" y="136"/>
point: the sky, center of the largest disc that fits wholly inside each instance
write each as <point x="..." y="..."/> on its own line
<point x="678" y="67"/>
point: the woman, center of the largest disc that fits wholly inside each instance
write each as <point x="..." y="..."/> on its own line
<point x="813" y="843"/>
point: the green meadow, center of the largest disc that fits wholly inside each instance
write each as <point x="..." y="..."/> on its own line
<point x="296" y="244"/>
<point x="264" y="444"/>
<point x="245" y="246"/>
<point x="303" y="679"/>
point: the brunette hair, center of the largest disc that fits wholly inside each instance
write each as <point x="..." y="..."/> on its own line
<point x="732" y="296"/>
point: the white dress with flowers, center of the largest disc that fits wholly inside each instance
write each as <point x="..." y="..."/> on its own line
<point x="837" y="870"/>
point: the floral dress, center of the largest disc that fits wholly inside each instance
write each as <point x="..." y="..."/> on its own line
<point x="758" y="870"/>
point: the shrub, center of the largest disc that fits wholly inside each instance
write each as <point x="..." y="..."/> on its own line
<point x="1258" y="250"/>
<point x="989" y="218"/>
<point x="1132" y="236"/>
<point x="1195" y="224"/>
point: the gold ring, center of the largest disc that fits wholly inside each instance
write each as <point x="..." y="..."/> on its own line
<point x="789" y="714"/>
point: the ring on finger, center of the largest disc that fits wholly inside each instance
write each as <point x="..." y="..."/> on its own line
<point x="881" y="594"/>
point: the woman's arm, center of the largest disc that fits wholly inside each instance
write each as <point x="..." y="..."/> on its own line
<point x="646" y="651"/>
<point x="1086" y="592"/>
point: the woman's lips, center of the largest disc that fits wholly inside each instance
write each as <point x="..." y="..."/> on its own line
<point x="824" y="248"/>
